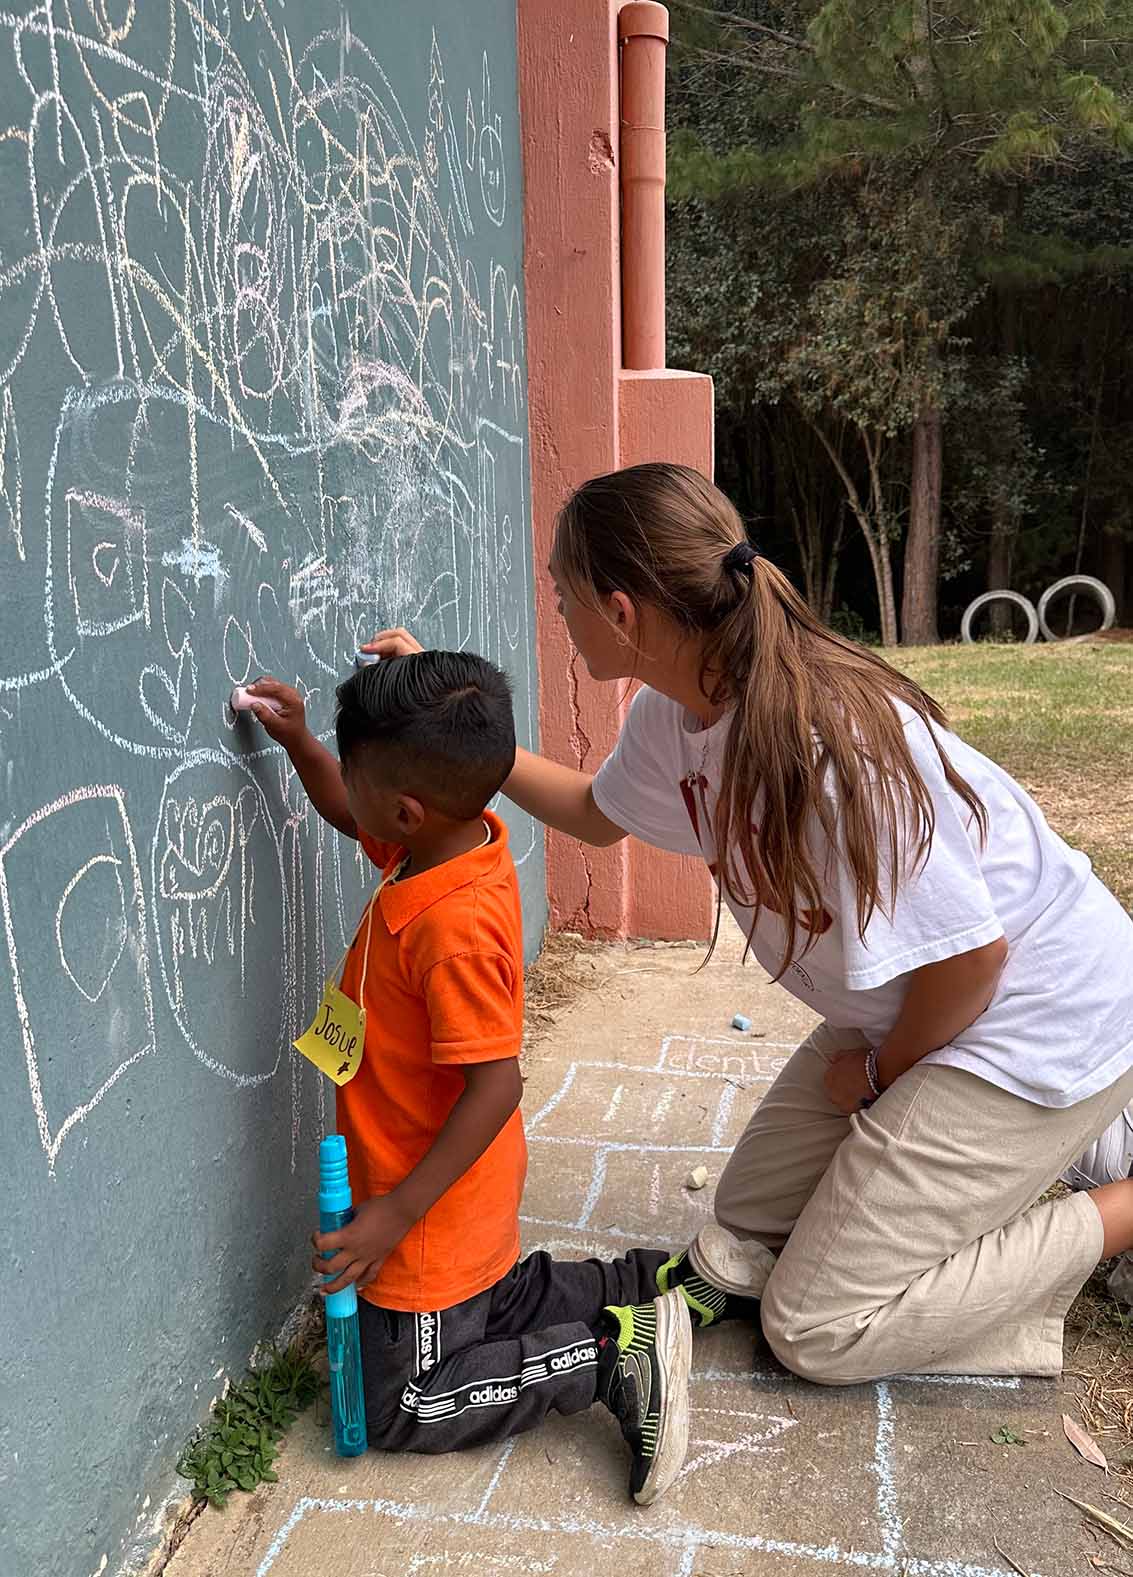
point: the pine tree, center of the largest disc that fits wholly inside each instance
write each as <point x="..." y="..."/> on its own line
<point x="945" y="98"/>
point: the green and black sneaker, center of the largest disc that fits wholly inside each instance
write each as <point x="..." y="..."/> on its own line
<point x="643" y="1366"/>
<point x="707" y="1305"/>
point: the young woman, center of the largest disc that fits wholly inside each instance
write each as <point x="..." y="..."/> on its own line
<point x="975" y="980"/>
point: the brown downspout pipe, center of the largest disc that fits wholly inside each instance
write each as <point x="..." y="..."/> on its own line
<point x="643" y="36"/>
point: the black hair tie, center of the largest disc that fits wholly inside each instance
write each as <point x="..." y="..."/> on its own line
<point x="740" y="559"/>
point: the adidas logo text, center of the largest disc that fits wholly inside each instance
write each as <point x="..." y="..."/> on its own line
<point x="494" y="1393"/>
<point x="570" y="1360"/>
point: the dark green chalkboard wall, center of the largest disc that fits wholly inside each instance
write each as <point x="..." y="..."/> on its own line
<point x="262" y="390"/>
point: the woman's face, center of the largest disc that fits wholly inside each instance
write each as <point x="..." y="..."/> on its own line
<point x="603" y="635"/>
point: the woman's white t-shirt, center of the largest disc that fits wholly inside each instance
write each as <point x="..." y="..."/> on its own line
<point x="1060" y="1026"/>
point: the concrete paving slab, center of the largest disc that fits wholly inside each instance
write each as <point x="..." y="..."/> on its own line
<point x="641" y="1080"/>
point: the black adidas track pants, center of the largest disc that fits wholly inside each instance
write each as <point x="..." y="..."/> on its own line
<point x="497" y="1364"/>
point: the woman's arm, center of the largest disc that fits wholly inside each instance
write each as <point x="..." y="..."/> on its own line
<point x="560" y="797"/>
<point x="942" y="1001"/>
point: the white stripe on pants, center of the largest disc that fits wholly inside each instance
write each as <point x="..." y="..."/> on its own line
<point x="909" y="1236"/>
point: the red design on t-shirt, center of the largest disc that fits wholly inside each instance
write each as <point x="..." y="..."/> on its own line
<point x="692" y="784"/>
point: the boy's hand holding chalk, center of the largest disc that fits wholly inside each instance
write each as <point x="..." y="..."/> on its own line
<point x="278" y="707"/>
<point x="390" y="643"/>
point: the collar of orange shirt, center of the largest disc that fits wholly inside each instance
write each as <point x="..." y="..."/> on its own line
<point x="401" y="902"/>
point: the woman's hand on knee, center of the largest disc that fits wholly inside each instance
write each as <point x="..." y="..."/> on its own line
<point x="847" y="1082"/>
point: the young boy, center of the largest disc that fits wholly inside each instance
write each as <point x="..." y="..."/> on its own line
<point x="463" y="1343"/>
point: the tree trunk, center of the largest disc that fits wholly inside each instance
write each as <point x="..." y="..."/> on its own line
<point x="871" y="520"/>
<point x="922" y="545"/>
<point x="1113" y="570"/>
<point x="826" y="606"/>
<point x="999" y="553"/>
<point x="999" y="568"/>
<point x="887" y="601"/>
<point x="1005" y="520"/>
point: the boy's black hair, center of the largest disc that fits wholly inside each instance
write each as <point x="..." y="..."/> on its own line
<point x="440" y="725"/>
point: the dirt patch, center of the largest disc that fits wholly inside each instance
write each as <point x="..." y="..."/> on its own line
<point x="1099" y="1359"/>
<point x="567" y="967"/>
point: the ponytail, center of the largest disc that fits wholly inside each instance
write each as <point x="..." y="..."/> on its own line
<point x="814" y="738"/>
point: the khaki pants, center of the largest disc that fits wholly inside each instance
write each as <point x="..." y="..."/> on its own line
<point x="906" y="1238"/>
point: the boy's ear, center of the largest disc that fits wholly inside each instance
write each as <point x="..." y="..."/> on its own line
<point x="410" y="815"/>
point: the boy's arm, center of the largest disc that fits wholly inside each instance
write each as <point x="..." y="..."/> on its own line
<point x="492" y="1091"/>
<point x="318" y="770"/>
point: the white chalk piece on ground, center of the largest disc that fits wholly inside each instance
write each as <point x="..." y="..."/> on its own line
<point x="241" y="701"/>
<point x="741" y="1023"/>
<point x="697" y="1177"/>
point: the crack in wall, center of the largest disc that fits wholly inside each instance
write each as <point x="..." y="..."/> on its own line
<point x="581" y="746"/>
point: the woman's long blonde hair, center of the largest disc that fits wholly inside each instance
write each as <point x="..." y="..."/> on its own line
<point x="811" y="709"/>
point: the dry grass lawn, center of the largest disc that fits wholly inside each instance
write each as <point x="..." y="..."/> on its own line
<point x="1060" y="720"/>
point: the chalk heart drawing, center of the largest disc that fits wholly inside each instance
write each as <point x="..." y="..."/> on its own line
<point x="221" y="918"/>
<point x="105" y="561"/>
<point x="70" y="872"/>
<point x="170" y="699"/>
<point x="276" y="401"/>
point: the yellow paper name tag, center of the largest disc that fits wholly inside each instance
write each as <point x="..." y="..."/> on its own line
<point x="337" y="1036"/>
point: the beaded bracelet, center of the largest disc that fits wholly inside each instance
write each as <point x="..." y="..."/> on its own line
<point x="871" y="1072"/>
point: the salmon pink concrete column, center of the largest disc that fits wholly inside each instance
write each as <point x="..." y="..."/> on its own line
<point x="643" y="35"/>
<point x="587" y="414"/>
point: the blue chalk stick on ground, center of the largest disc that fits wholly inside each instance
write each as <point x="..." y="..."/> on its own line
<point x="740" y="1022"/>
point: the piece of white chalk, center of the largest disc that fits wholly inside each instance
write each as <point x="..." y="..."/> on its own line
<point x="697" y="1177"/>
<point x="241" y="701"/>
<point x="366" y="659"/>
<point x="741" y="1023"/>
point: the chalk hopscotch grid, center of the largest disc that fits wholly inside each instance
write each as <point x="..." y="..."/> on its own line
<point x="604" y="1148"/>
<point x="682" y="1541"/>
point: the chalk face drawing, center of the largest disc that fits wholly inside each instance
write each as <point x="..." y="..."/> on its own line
<point x="262" y="391"/>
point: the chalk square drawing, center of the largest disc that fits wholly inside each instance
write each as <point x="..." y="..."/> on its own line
<point x="641" y="1106"/>
<point x="557" y="1191"/>
<point x="106" y="563"/>
<point x="83" y="999"/>
<point x="644" y="1193"/>
<point x="327" y="1539"/>
<point x="930" y="1450"/>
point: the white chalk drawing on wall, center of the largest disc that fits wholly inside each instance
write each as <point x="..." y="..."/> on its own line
<point x="94" y="910"/>
<point x="219" y="895"/>
<point x="288" y="407"/>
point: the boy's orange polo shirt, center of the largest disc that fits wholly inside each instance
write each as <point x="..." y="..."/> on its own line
<point x="444" y="986"/>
